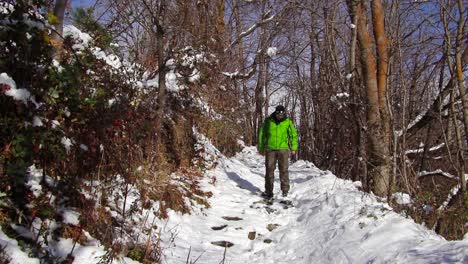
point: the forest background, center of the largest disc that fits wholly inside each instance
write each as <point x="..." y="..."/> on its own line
<point x="377" y="90"/>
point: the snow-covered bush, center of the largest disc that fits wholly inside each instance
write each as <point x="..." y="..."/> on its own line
<point x="77" y="132"/>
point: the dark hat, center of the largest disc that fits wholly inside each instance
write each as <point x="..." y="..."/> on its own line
<point x="280" y="108"/>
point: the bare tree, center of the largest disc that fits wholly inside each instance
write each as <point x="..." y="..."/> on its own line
<point x="461" y="89"/>
<point x="375" y="69"/>
<point x="456" y="72"/>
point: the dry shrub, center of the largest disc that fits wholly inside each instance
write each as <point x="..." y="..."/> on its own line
<point x="452" y="224"/>
<point x="145" y="254"/>
<point x="99" y="223"/>
<point x="433" y="191"/>
<point x="4" y="258"/>
<point x="173" y="193"/>
<point x="223" y="135"/>
<point x="3" y="217"/>
<point x="180" y="141"/>
<point x="73" y="232"/>
<point x="436" y="187"/>
<point x="172" y="197"/>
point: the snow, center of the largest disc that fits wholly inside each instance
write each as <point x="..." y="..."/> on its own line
<point x="231" y="74"/>
<point x="172" y="83"/>
<point x="71" y="217"/>
<point x="6" y="8"/>
<point x="437" y="172"/>
<point x="21" y="94"/>
<point x="272" y="51"/>
<point x="11" y="248"/>
<point x="331" y="222"/>
<point x="111" y="60"/>
<point x="152" y="82"/>
<point x="57" y="65"/>
<point x="85" y="254"/>
<point x="7" y="80"/>
<point x="67" y="143"/>
<point x="402" y="198"/>
<point x="342" y="95"/>
<point x="418" y="118"/>
<point x="37" y="122"/>
<point x="205" y="108"/>
<point x="17" y="94"/>
<point x="421" y="149"/>
<point x="55" y="123"/>
<point x="195" y="76"/>
<point x="84" y="147"/>
<point x="339" y="99"/>
<point x="82" y="40"/>
<point x="34" y="178"/>
<point x="33" y="19"/>
<point x="451" y="194"/>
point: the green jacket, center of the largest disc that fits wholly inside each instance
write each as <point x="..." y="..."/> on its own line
<point x="276" y="135"/>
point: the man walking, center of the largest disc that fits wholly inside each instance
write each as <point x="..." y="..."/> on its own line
<point x="277" y="138"/>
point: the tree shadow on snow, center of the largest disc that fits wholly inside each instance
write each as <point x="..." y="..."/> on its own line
<point x="302" y="180"/>
<point x="243" y="184"/>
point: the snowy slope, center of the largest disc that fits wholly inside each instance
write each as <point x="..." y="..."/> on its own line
<point x="331" y="222"/>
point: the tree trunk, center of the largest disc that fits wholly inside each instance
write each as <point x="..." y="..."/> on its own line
<point x="59" y="12"/>
<point x="266" y="84"/>
<point x="221" y="28"/>
<point x="460" y="162"/>
<point x="383" y="183"/>
<point x="309" y="125"/>
<point x="259" y="98"/>
<point x="461" y="89"/>
<point x="249" y="135"/>
<point x="162" y="70"/>
<point x="375" y="83"/>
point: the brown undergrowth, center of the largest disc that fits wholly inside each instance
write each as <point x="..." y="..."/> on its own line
<point x="428" y="207"/>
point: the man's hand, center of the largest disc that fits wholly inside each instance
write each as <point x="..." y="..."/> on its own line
<point x="293" y="152"/>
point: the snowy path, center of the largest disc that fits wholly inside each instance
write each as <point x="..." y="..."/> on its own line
<point x="331" y="222"/>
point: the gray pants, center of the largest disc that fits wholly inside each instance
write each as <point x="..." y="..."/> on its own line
<point x="271" y="158"/>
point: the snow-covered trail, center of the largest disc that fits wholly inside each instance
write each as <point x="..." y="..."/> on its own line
<point x="331" y="222"/>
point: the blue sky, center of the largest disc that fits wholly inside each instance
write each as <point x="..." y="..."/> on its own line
<point x="77" y="3"/>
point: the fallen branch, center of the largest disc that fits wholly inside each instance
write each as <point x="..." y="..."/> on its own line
<point x="437" y="173"/>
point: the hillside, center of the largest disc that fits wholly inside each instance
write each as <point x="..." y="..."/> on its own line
<point x="330" y="221"/>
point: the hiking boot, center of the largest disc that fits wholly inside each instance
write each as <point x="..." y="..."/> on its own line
<point x="267" y="195"/>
